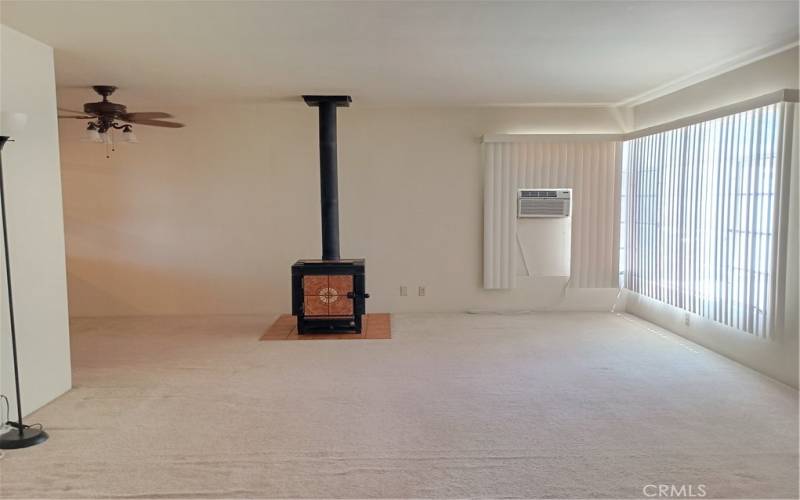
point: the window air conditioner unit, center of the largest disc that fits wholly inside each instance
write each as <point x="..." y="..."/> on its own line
<point x="544" y="203"/>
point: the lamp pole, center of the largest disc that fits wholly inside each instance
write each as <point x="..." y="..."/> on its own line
<point x="22" y="436"/>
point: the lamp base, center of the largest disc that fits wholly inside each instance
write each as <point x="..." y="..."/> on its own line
<point x="29" y="436"/>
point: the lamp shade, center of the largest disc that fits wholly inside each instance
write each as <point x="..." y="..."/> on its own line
<point x="129" y="136"/>
<point x="92" y="135"/>
<point x="12" y="123"/>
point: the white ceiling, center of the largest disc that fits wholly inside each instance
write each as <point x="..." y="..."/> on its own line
<point x="399" y="53"/>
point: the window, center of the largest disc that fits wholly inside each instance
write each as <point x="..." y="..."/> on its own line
<point x="701" y="217"/>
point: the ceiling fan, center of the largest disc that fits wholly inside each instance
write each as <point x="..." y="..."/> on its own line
<point x="106" y="116"/>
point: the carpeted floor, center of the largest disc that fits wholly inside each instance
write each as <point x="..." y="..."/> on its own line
<point x="545" y="405"/>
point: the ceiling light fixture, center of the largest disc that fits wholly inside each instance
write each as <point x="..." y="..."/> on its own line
<point x="92" y="135"/>
<point x="106" y="116"/>
<point x="100" y="131"/>
<point x="128" y="135"/>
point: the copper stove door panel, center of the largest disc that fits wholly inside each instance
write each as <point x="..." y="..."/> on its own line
<point x="327" y="295"/>
<point x="339" y="303"/>
<point x="341" y="306"/>
<point x="315" y="305"/>
<point x="343" y="284"/>
<point x="314" y="285"/>
<point x="315" y="291"/>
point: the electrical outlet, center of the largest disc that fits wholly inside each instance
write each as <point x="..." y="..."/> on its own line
<point x="686" y="319"/>
<point x="403" y="291"/>
<point x="421" y="291"/>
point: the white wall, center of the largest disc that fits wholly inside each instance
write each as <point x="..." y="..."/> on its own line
<point x="36" y="233"/>
<point x="209" y="218"/>
<point x="777" y="358"/>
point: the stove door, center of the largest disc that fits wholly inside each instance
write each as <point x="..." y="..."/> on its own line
<point x="339" y="287"/>
<point x="326" y="295"/>
<point x="314" y="303"/>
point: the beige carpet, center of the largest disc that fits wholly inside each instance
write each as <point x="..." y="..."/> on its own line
<point x="547" y="405"/>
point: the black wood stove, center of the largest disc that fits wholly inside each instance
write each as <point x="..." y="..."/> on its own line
<point x="328" y="295"/>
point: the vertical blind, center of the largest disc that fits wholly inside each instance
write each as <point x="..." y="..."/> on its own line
<point x="704" y="217"/>
<point x="590" y="168"/>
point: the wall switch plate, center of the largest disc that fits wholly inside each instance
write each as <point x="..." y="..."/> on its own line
<point x="686" y="319"/>
<point x="403" y="291"/>
<point x="421" y="291"/>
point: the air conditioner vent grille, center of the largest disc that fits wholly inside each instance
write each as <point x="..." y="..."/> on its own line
<point x="544" y="203"/>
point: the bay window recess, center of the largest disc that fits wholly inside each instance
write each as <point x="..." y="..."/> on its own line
<point x="704" y="217"/>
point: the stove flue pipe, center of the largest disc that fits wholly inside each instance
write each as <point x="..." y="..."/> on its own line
<point x="328" y="176"/>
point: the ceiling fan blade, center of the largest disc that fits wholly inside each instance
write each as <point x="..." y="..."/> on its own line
<point x="77" y="117"/>
<point x="159" y="123"/>
<point x="149" y="115"/>
<point x="65" y="110"/>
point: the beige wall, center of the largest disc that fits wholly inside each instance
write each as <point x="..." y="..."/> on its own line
<point x="209" y="218"/>
<point x="36" y="233"/>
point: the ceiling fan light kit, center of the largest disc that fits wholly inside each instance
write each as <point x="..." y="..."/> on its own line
<point x="128" y="135"/>
<point x="106" y="116"/>
<point x="92" y="135"/>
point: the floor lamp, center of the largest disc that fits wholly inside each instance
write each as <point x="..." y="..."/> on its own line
<point x="21" y="436"/>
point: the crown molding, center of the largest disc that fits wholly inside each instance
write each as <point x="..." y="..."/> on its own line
<point x="782" y="95"/>
<point x="551" y="138"/>
<point x="548" y="105"/>
<point x="716" y="69"/>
